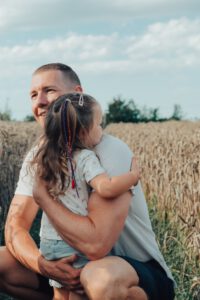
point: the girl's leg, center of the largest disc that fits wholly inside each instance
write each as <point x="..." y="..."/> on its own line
<point x="63" y="294"/>
<point x="60" y="294"/>
<point x="73" y="296"/>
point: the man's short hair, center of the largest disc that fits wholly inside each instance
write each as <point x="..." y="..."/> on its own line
<point x="67" y="71"/>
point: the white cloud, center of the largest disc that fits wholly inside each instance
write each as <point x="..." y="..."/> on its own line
<point x="173" y="44"/>
<point x="22" y="14"/>
<point x="73" y="47"/>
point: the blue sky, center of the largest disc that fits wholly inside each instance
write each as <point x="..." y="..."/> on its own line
<point x="145" y="50"/>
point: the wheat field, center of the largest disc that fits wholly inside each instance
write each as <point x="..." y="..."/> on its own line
<point x="169" y="156"/>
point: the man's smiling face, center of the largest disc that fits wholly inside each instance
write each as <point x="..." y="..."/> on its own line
<point x="46" y="87"/>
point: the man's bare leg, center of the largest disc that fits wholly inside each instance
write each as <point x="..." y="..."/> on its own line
<point x="16" y="280"/>
<point x="111" y="278"/>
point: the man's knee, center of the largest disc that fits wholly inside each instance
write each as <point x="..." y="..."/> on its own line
<point x="7" y="262"/>
<point x="104" y="280"/>
<point x="6" y="267"/>
<point x="97" y="284"/>
<point x="12" y="273"/>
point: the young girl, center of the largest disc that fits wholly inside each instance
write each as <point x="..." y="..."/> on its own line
<point x="71" y="170"/>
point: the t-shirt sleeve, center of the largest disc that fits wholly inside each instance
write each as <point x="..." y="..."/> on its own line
<point x="89" y="165"/>
<point x="115" y="156"/>
<point x="25" y="182"/>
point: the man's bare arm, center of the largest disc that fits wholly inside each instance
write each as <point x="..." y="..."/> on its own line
<point x="22" y="212"/>
<point x="94" y="234"/>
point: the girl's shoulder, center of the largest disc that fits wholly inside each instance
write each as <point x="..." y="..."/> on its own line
<point x="88" y="165"/>
<point x="84" y="154"/>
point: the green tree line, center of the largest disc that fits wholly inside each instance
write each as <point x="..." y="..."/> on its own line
<point x="121" y="110"/>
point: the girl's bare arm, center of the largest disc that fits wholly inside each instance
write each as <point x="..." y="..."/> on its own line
<point x="115" y="186"/>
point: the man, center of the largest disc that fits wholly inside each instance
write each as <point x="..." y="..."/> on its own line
<point x="140" y="273"/>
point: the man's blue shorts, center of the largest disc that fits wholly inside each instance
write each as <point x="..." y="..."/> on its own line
<point x="153" y="279"/>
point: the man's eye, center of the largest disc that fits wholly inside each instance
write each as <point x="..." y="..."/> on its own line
<point x="33" y="96"/>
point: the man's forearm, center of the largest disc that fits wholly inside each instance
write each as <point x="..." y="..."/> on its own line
<point x="94" y="234"/>
<point x="23" y="248"/>
<point x="78" y="231"/>
<point x="18" y="240"/>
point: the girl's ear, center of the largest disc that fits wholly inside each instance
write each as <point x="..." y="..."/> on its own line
<point x="82" y="135"/>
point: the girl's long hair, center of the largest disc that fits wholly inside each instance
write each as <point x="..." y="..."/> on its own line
<point x="66" y="117"/>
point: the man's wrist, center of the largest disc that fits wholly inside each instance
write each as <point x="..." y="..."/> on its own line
<point x="41" y="265"/>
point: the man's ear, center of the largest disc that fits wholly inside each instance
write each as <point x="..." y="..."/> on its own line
<point x="78" y="88"/>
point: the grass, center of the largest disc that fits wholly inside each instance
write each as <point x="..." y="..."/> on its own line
<point x="172" y="245"/>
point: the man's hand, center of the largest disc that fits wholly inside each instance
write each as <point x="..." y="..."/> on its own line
<point x="135" y="170"/>
<point x="62" y="271"/>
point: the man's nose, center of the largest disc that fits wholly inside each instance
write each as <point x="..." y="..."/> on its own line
<point x="42" y="99"/>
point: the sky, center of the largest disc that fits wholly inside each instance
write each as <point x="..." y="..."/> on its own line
<point x="145" y="50"/>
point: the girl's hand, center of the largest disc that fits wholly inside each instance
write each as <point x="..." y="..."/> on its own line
<point x="135" y="170"/>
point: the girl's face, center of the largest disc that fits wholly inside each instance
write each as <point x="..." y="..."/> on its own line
<point x="94" y="135"/>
